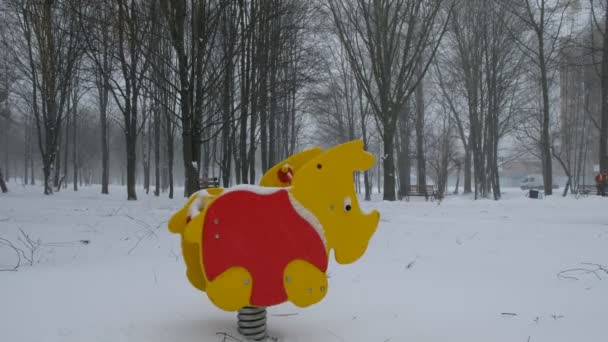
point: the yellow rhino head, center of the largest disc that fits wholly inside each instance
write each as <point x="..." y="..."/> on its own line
<point x="325" y="187"/>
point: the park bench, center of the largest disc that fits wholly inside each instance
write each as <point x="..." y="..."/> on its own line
<point x="428" y="192"/>
<point x="206" y="183"/>
<point x="586" y="190"/>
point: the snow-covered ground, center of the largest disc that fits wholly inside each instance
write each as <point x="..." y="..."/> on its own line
<point x="473" y="271"/>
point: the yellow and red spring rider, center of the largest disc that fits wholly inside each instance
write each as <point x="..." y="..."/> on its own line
<point x="264" y="245"/>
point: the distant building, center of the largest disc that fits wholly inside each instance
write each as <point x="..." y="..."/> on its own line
<point x="580" y="105"/>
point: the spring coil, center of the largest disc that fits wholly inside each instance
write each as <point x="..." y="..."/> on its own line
<point x="252" y="322"/>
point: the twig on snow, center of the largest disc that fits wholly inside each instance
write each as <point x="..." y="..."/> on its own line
<point x="31" y="245"/>
<point x="66" y="243"/>
<point x="285" y="315"/>
<point x="150" y="232"/>
<point x="227" y="337"/>
<point x="337" y="336"/>
<point x="596" y="271"/>
<point x="599" y="267"/>
<point x="175" y="255"/>
<point x="114" y="212"/>
<point x="18" y="251"/>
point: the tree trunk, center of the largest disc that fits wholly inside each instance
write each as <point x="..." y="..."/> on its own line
<point x="57" y="163"/>
<point x="131" y="166"/>
<point x="26" y="151"/>
<point x="263" y="128"/>
<point x="5" y="144"/>
<point x="75" y="164"/>
<point x="170" y="165"/>
<point x="227" y="93"/>
<point x="456" y="187"/>
<point x="67" y="145"/>
<point x="2" y="183"/>
<point x="404" y="154"/>
<point x="252" y="145"/>
<point x="420" y="158"/>
<point x="545" y="138"/>
<point x="25" y="170"/>
<point x="32" y="172"/>
<point x="146" y="158"/>
<point x="46" y="173"/>
<point x="105" y="148"/>
<point x="366" y="180"/>
<point x="389" y="164"/>
<point x="468" y="170"/>
<point x="146" y="147"/>
<point x="245" y="83"/>
<point x="190" y="161"/>
<point x="156" y="114"/>
<point x="263" y="87"/>
<point x="272" y="115"/>
<point x="603" y="157"/>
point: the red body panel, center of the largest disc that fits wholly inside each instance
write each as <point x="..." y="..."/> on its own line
<point x="262" y="233"/>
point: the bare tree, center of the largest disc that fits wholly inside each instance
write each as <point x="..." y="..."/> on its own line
<point x="386" y="55"/>
<point x="2" y="183"/>
<point x="132" y="23"/>
<point x="603" y="125"/>
<point x="4" y="113"/>
<point x="99" y="50"/>
<point x="482" y="74"/>
<point x="420" y="120"/>
<point x="193" y="45"/>
<point x="441" y="150"/>
<point x="46" y="49"/>
<point x="544" y="19"/>
<point x="404" y="150"/>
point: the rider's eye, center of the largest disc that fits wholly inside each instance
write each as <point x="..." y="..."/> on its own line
<point x="347" y="204"/>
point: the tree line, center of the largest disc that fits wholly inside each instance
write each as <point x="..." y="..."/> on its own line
<point x="143" y="92"/>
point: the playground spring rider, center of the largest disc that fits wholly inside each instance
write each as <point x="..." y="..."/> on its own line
<point x="249" y="247"/>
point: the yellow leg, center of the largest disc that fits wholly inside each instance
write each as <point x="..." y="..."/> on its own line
<point x="231" y="290"/>
<point x="304" y="283"/>
<point x="194" y="269"/>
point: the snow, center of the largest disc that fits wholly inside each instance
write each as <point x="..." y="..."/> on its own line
<point x="262" y="190"/>
<point x="198" y="204"/>
<point x="451" y="272"/>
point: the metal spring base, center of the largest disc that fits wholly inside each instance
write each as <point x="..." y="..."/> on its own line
<point x="252" y="322"/>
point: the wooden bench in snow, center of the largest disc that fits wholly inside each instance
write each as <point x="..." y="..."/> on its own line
<point x="207" y="183"/>
<point x="428" y="192"/>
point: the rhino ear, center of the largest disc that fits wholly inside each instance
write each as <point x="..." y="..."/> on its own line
<point x="364" y="161"/>
<point x="358" y="158"/>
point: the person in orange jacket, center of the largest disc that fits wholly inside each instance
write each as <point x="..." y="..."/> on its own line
<point x="604" y="182"/>
<point x="601" y="180"/>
